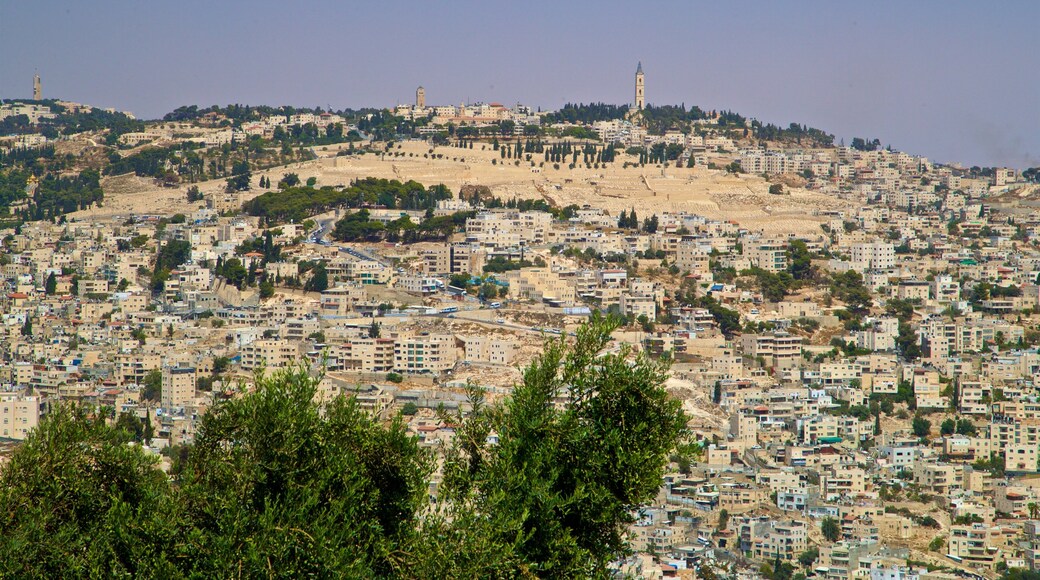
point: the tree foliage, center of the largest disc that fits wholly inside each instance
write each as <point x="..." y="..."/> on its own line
<point x="540" y="500"/>
<point x="277" y="484"/>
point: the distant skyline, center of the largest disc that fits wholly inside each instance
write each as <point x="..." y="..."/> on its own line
<point x="954" y="81"/>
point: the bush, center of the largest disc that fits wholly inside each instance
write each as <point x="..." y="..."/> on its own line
<point x="395" y="377"/>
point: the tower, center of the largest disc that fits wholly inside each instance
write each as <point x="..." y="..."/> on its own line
<point x="37" y="88"/>
<point x="420" y="98"/>
<point x="640" y="98"/>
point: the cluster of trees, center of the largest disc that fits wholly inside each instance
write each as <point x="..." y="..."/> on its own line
<point x="56" y="194"/>
<point x="586" y="114"/>
<point x="793" y="133"/>
<point x="171" y="254"/>
<point x="664" y="118"/>
<point x="299" y="203"/>
<point x="907" y="341"/>
<point x="861" y="144"/>
<point x="499" y="265"/>
<point x="274" y="482"/>
<point x="850" y="289"/>
<point x="359" y="227"/>
<point x="97" y="120"/>
<point x="959" y="426"/>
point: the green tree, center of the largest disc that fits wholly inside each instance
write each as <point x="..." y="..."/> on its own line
<point x="921" y="426"/>
<point x="274" y="482"/>
<point x="830" y="529"/>
<point x="319" y="280"/>
<point x="808" y="557"/>
<point x="152" y="386"/>
<point x="27" y="329"/>
<point x="799" y="260"/>
<point x="51" y="285"/>
<point x="77" y="500"/>
<point x="947" y="427"/>
<point x="538" y="501"/>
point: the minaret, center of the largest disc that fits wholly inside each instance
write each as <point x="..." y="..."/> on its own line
<point x="37" y="88"/>
<point x="640" y="98"/>
<point x="420" y="98"/>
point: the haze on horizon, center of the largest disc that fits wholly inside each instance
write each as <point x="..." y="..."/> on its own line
<point x="954" y="81"/>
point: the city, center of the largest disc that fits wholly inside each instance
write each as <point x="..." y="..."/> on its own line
<point x="850" y="333"/>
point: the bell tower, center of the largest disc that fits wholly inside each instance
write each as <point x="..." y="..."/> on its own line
<point x="640" y="97"/>
<point x="420" y="98"/>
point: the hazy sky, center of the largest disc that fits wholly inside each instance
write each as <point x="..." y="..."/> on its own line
<point x="956" y="81"/>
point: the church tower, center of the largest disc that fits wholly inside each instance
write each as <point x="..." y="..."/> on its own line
<point x="420" y="98"/>
<point x="37" y="88"/>
<point x="640" y="97"/>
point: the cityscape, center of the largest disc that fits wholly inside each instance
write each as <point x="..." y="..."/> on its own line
<point x="484" y="339"/>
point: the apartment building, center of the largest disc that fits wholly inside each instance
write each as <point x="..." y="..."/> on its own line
<point x="367" y="355"/>
<point x="975" y="544"/>
<point x="779" y="349"/>
<point x="269" y="353"/>
<point x="178" y="387"/>
<point x="770" y="256"/>
<point x="425" y="353"/>
<point x="19" y="414"/>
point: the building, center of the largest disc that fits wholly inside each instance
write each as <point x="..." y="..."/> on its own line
<point x="420" y="98"/>
<point x="37" y="88"/>
<point x="19" y="414"/>
<point x="425" y="353"/>
<point x="367" y="355"/>
<point x="178" y="387"/>
<point x="269" y="353"/>
<point x="770" y="256"/>
<point x="640" y="97"/>
<point x="975" y="544"/>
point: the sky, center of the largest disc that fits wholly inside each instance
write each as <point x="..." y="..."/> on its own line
<point x="955" y="81"/>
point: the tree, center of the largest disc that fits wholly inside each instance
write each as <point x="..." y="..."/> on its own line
<point x="965" y="427"/>
<point x="373" y="329"/>
<point x="921" y="427"/>
<point x="51" y="285"/>
<point x="830" y="529"/>
<point x="266" y="289"/>
<point x="808" y="557"/>
<point x="575" y="506"/>
<point x="276" y="480"/>
<point x="799" y="260"/>
<point x="907" y="342"/>
<point x="221" y="364"/>
<point x="310" y="491"/>
<point x="723" y="520"/>
<point x="409" y="409"/>
<point x="138" y="429"/>
<point x="319" y="280"/>
<point x="947" y="427"/>
<point x="27" y="329"/>
<point x="75" y="496"/>
<point x="240" y="177"/>
<point x="152" y="386"/>
<point x="776" y="189"/>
